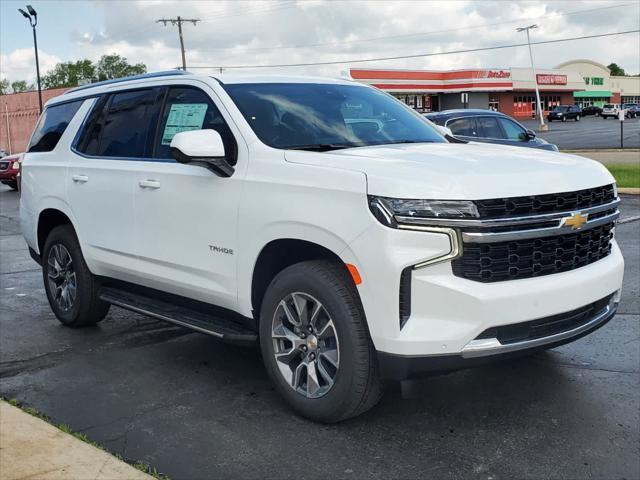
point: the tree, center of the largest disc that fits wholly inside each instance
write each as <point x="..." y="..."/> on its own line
<point x="20" y="86"/>
<point x="115" y="66"/>
<point x="4" y="86"/>
<point x="68" y="74"/>
<point x="616" y="70"/>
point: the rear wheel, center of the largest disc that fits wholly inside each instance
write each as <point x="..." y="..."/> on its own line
<point x="315" y="343"/>
<point x="71" y="289"/>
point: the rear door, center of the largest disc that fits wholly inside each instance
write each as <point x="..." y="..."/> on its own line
<point x="464" y="128"/>
<point x="115" y="140"/>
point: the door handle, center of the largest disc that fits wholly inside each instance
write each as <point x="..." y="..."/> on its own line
<point x="153" y="184"/>
<point x="80" y="178"/>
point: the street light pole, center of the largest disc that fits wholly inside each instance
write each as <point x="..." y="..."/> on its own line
<point x="543" y="127"/>
<point x="32" y="16"/>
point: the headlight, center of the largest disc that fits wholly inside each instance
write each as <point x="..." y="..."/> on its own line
<point x="386" y="209"/>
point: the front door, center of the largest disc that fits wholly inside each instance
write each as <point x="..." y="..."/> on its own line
<point x="186" y="216"/>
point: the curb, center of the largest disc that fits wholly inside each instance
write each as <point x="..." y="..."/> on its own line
<point x="629" y="190"/>
<point x="603" y="150"/>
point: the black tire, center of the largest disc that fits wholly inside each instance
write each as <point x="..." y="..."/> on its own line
<point x="549" y="120"/>
<point x="577" y="118"/>
<point x="356" y="386"/>
<point x="12" y="185"/>
<point x="86" y="308"/>
<point x="564" y="119"/>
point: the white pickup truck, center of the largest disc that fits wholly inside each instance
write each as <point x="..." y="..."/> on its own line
<point x="322" y="219"/>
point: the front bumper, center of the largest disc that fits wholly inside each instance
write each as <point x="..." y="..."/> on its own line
<point x="483" y="351"/>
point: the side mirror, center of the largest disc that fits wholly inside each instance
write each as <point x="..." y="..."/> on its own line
<point x="203" y="148"/>
<point x="529" y="135"/>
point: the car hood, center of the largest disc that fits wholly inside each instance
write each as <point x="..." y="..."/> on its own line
<point x="455" y="171"/>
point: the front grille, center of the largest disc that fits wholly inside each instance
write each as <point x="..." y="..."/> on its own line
<point x="517" y="259"/>
<point x="541" y="204"/>
<point x="4" y="165"/>
<point x="545" y="327"/>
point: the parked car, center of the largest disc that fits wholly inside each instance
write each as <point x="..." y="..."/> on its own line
<point x="611" y="110"/>
<point x="10" y="169"/>
<point x="631" y="110"/>
<point x="254" y="209"/>
<point x="564" y="113"/>
<point x="3" y="153"/>
<point x="592" y="110"/>
<point x="488" y="126"/>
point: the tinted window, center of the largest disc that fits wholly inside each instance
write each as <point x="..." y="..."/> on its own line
<point x="129" y="125"/>
<point x="512" y="129"/>
<point x="191" y="109"/>
<point x="327" y="116"/>
<point x="89" y="139"/>
<point x="52" y="125"/>
<point x="465" y="127"/>
<point x="488" y="127"/>
<point x="561" y="109"/>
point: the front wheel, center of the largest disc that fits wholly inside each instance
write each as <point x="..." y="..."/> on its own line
<point x="315" y="342"/>
<point x="564" y="119"/>
<point x="71" y="289"/>
<point x="577" y="118"/>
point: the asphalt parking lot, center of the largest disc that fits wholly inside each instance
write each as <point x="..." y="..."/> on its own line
<point x="195" y="408"/>
<point x="589" y="132"/>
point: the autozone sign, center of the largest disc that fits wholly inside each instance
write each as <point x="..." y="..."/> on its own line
<point x="498" y="74"/>
<point x="544" y="79"/>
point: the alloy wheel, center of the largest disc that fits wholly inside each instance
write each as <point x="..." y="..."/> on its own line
<point x="61" y="276"/>
<point x="305" y="345"/>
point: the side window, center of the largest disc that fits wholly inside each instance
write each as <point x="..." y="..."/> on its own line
<point x="52" y="124"/>
<point x="89" y="139"/>
<point x="464" y="127"/>
<point x="512" y="129"/>
<point x="188" y="108"/>
<point x="488" y="127"/>
<point x="129" y="124"/>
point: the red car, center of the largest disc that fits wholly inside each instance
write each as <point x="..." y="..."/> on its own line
<point x="10" y="169"/>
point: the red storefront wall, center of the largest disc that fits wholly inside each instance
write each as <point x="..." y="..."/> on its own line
<point x="19" y="113"/>
<point x="519" y="104"/>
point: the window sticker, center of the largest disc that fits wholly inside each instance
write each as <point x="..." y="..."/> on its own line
<point x="183" y="117"/>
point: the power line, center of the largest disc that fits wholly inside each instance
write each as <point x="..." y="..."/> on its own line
<point x="179" y="21"/>
<point x="401" y="57"/>
<point x="420" y="34"/>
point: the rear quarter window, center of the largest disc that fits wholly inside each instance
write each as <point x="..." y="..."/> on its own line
<point x="52" y="125"/>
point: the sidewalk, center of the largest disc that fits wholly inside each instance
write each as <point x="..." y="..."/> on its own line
<point x="609" y="156"/>
<point x="31" y="448"/>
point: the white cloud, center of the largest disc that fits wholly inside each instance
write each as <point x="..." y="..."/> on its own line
<point x="20" y="64"/>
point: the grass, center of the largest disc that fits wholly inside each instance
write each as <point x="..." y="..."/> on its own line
<point x="626" y="174"/>
<point x="142" y="466"/>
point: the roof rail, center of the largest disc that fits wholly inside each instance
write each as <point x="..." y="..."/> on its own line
<point x="167" y="73"/>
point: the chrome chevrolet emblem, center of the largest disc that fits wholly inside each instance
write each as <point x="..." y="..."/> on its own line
<point x="575" y="221"/>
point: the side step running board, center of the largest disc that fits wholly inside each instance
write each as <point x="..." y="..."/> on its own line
<point x="197" y="320"/>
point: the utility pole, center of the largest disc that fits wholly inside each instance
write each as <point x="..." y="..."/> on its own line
<point x="179" y="21"/>
<point x="543" y="127"/>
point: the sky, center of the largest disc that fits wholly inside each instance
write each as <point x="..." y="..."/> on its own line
<point x="266" y="32"/>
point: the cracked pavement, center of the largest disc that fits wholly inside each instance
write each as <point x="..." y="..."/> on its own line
<point x="193" y="407"/>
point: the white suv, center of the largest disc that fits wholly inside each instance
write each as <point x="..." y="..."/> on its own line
<point x="611" y="110"/>
<point x="321" y="218"/>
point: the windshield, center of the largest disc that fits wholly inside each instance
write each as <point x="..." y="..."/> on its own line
<point x="609" y="106"/>
<point x="309" y="116"/>
<point x="561" y="109"/>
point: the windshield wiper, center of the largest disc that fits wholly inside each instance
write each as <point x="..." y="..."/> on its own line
<point x="321" y="147"/>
